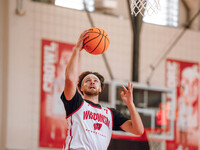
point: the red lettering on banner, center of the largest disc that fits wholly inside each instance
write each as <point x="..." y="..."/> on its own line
<point x="173" y="70"/>
<point x="49" y="68"/>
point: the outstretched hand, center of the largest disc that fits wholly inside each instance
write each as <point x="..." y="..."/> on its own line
<point x="134" y="125"/>
<point x="127" y="94"/>
<point x="83" y="36"/>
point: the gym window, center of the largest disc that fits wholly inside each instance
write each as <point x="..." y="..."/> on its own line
<point x="167" y="15"/>
<point x="76" y="4"/>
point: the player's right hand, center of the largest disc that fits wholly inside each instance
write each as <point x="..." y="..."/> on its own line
<point x="79" y="44"/>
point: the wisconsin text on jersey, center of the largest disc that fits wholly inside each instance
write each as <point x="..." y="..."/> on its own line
<point x="96" y="116"/>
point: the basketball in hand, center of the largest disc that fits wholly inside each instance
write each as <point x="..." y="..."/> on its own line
<point x="97" y="41"/>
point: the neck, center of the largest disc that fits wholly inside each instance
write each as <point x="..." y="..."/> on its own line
<point x="94" y="99"/>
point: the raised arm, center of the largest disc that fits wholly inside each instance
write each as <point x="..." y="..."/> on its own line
<point x="134" y="125"/>
<point x="72" y="69"/>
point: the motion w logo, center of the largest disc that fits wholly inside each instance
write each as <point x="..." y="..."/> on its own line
<point x="97" y="126"/>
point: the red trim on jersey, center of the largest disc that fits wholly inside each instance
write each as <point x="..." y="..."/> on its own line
<point x="111" y="115"/>
<point x="93" y="105"/>
<point x="76" y="110"/>
<point x="70" y="134"/>
<point x="65" y="142"/>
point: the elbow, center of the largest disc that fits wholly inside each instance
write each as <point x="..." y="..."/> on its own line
<point x="139" y="132"/>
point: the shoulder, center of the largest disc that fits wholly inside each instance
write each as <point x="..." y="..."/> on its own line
<point x="118" y="119"/>
<point x="76" y="97"/>
<point x="72" y="105"/>
<point x="115" y="112"/>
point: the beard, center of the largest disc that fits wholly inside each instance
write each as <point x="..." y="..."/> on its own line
<point x="91" y="92"/>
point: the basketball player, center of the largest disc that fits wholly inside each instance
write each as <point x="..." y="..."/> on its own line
<point x="89" y="124"/>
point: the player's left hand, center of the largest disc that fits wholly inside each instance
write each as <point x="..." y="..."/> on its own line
<point x="127" y="94"/>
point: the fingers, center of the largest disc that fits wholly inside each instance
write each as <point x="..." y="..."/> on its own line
<point x="122" y="93"/>
<point x="84" y="33"/>
<point x="124" y="88"/>
<point x="130" y="87"/>
<point x="85" y="36"/>
<point x="82" y="37"/>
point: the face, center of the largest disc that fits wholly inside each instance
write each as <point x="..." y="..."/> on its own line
<point x="91" y="85"/>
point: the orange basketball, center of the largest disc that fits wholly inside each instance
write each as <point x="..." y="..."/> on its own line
<point x="97" y="42"/>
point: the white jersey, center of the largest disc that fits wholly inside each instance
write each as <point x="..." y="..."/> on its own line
<point x="95" y="131"/>
<point x="89" y="125"/>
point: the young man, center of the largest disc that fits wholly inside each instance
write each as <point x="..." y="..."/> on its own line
<point x="89" y="124"/>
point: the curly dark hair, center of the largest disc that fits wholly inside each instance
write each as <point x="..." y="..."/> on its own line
<point x="84" y="74"/>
